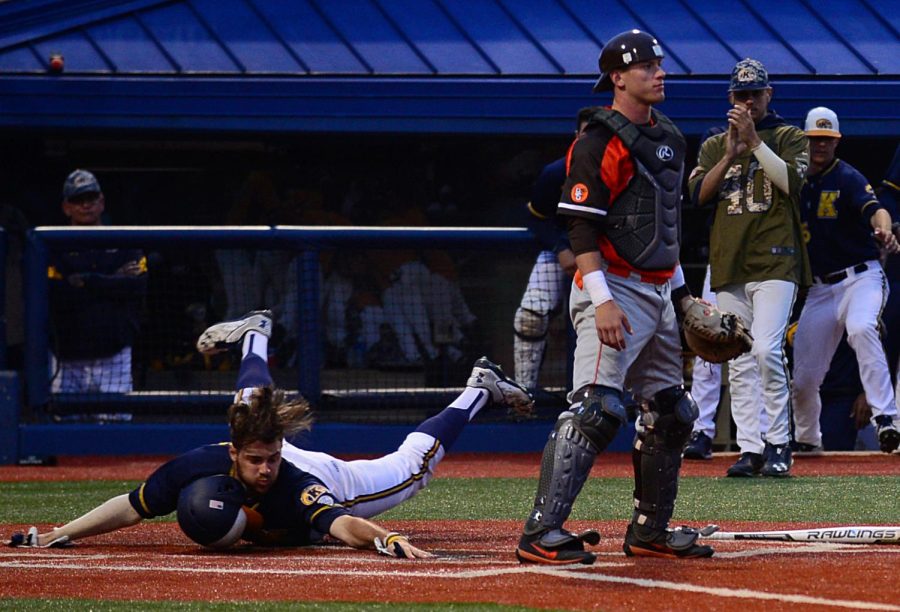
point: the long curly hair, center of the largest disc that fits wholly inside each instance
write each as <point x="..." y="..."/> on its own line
<point x="267" y="417"/>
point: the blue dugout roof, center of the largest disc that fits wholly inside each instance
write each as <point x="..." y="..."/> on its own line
<point x="444" y="66"/>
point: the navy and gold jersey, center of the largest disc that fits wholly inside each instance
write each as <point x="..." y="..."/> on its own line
<point x="836" y="206"/>
<point x="542" y="220"/>
<point x="101" y="316"/>
<point x="298" y="509"/>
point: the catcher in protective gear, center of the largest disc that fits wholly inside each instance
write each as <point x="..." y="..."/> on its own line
<point x="713" y="335"/>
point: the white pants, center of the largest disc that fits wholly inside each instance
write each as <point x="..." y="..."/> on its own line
<point x="254" y="278"/>
<point x="103" y="375"/>
<point x="765" y="307"/>
<point x="543" y="296"/>
<point x="368" y="487"/>
<point x="337" y="291"/>
<point x="425" y="309"/>
<point x="853" y="304"/>
<point x="706" y="388"/>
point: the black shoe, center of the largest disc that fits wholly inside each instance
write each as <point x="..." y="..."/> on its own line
<point x="779" y="460"/>
<point x="888" y="436"/>
<point x="802" y="449"/>
<point x="747" y="465"/>
<point x="698" y="447"/>
<point x="557" y="547"/>
<point x="678" y="543"/>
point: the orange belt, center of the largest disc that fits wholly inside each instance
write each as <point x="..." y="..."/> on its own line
<point x="655" y="277"/>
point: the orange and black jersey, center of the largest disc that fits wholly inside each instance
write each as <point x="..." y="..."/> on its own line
<point x="298" y="509"/>
<point x="599" y="169"/>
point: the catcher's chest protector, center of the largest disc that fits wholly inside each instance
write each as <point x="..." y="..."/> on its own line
<point x="644" y="224"/>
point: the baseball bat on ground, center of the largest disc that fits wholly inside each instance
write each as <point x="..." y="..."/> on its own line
<point x="868" y="534"/>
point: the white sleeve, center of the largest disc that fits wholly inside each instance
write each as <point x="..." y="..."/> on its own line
<point x="775" y="167"/>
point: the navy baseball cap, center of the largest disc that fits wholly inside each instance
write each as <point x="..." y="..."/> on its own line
<point x="749" y="74"/>
<point x="79" y="182"/>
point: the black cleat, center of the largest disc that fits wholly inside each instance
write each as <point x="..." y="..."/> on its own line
<point x="747" y="465"/>
<point x="698" y="447"/>
<point x="678" y="543"/>
<point x="778" y="461"/>
<point x="802" y="449"/>
<point x="888" y="436"/>
<point x="555" y="548"/>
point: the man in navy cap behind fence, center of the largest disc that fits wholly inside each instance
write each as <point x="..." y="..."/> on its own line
<point x="752" y="173"/>
<point x="95" y="301"/>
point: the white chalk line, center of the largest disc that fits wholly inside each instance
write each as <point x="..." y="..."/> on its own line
<point x="722" y="591"/>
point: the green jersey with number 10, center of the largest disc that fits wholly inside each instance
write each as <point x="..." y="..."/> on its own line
<point x="756" y="233"/>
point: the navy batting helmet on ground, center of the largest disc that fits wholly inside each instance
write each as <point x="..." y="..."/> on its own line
<point x="209" y="511"/>
<point x="621" y="51"/>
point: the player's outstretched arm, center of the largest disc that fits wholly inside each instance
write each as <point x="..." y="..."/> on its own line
<point x="360" y="533"/>
<point x="112" y="514"/>
<point x="881" y="223"/>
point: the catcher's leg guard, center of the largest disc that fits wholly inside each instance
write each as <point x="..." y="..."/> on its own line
<point x="580" y="433"/>
<point x="667" y="422"/>
<point x="529" y="344"/>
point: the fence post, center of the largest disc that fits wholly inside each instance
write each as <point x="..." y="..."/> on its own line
<point x="4" y="253"/>
<point x="10" y="413"/>
<point x="309" y="334"/>
<point x="37" y="315"/>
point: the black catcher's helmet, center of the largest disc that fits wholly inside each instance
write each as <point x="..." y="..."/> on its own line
<point x="621" y="51"/>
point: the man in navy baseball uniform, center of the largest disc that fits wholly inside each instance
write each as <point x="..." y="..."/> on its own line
<point x="846" y="226"/>
<point x="263" y="489"/>
<point x="96" y="296"/>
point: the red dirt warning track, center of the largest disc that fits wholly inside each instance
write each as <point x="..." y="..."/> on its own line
<point x="475" y="562"/>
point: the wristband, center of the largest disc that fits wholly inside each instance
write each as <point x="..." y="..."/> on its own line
<point x="390" y="546"/>
<point x="595" y="284"/>
<point x="678" y="278"/>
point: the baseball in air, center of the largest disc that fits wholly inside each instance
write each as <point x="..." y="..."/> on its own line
<point x="57" y="62"/>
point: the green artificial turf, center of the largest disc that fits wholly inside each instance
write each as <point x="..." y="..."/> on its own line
<point x="838" y="499"/>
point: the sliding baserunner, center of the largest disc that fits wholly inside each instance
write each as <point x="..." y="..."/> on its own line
<point x="263" y="489"/>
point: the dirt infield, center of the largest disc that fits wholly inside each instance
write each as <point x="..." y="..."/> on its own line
<point x="470" y="465"/>
<point x="475" y="563"/>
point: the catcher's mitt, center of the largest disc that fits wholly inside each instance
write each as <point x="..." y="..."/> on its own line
<point x="713" y="335"/>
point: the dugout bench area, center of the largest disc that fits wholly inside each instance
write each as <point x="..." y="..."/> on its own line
<point x="179" y="398"/>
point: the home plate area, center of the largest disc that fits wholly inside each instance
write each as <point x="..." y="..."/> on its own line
<point x="475" y="563"/>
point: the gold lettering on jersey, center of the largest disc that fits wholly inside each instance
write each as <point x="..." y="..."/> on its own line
<point x="827" y="209"/>
<point x="731" y="189"/>
<point x="755" y="194"/>
<point x="311" y="494"/>
<point x="804" y="228"/>
<point x="759" y="189"/>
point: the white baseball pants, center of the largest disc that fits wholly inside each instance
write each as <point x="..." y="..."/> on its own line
<point x="765" y="307"/>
